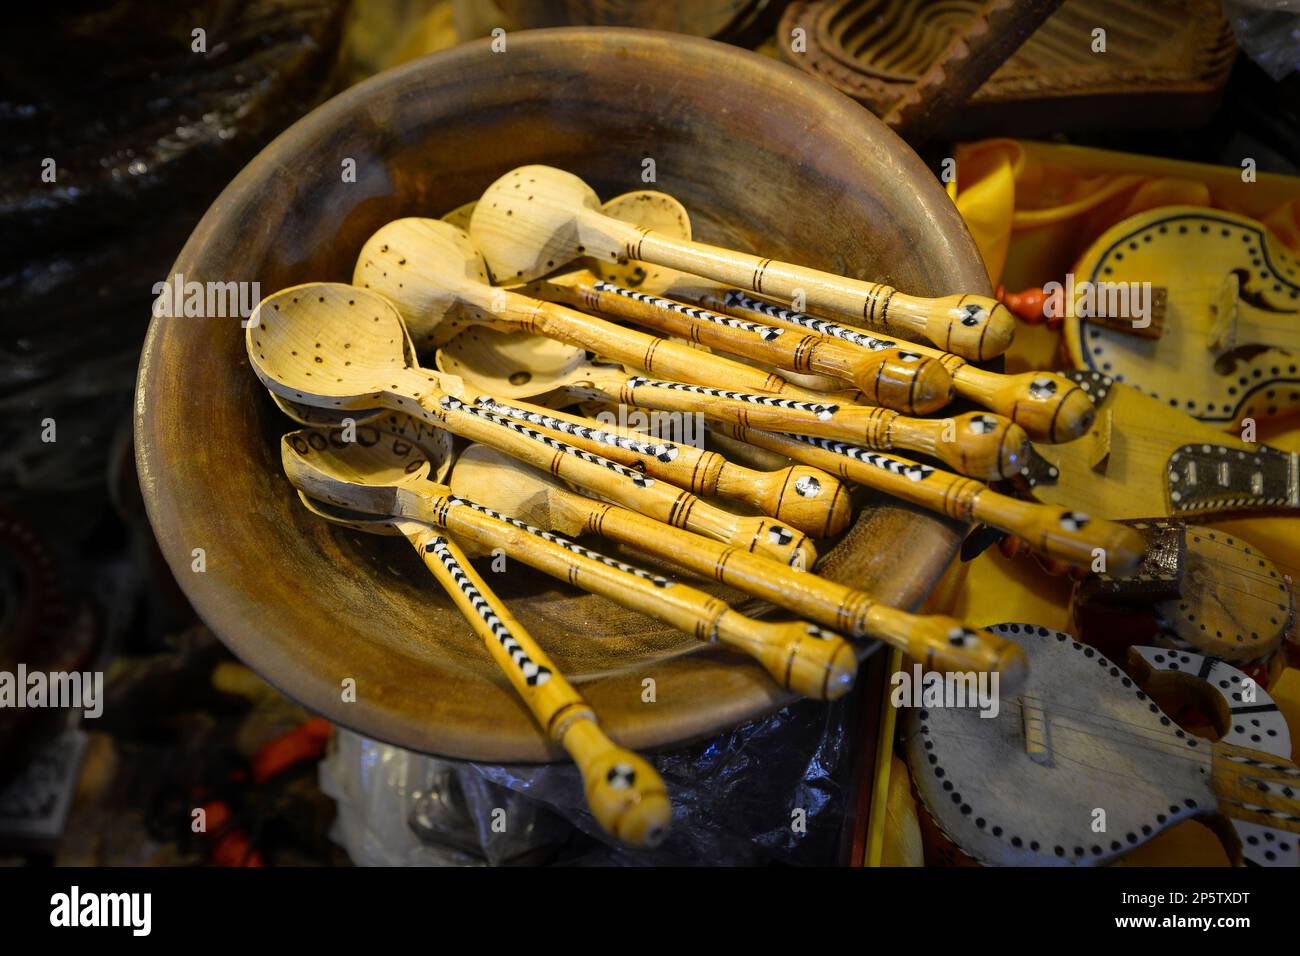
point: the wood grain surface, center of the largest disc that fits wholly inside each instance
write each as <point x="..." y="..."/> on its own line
<point x="763" y="157"/>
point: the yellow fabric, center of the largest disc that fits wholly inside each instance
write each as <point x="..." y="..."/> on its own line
<point x="1033" y="208"/>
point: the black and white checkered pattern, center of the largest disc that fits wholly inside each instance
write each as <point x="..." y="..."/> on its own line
<point x="823" y="410"/>
<point x="563" y="542"/>
<point x="660" y="451"/>
<point x="765" y="332"/>
<point x="636" y="477"/>
<point x="908" y="469"/>
<point x="535" y="675"/>
<point x="737" y="299"/>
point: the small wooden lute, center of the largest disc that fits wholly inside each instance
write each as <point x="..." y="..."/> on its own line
<point x="1221" y="338"/>
<point x="1081" y="765"/>
<point x="1143" y="459"/>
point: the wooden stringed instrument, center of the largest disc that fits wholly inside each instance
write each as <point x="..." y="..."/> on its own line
<point x="1081" y="765"/>
<point x="1221" y="337"/>
<point x="1202" y="589"/>
<point x="1143" y="459"/>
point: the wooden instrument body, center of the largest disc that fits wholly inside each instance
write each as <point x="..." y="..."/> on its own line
<point x="1228" y="346"/>
<point x="1205" y="591"/>
<point x="1122" y="467"/>
<point x="1080" y="747"/>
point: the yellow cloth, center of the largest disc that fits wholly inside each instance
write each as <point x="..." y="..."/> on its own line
<point x="1034" y="208"/>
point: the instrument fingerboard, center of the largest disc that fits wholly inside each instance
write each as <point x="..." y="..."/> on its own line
<point x="1202" y="477"/>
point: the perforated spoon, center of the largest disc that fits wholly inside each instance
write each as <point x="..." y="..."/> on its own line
<point x="431" y="271"/>
<point x="805" y="498"/>
<point x="339" y="347"/>
<point x="800" y="656"/>
<point x="942" y="643"/>
<point x="536" y="218"/>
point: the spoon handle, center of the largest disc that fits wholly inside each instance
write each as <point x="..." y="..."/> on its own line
<point x="619" y="343"/>
<point x="976" y="327"/>
<point x="598" y="474"/>
<point x="941" y="643"/>
<point x="902" y="380"/>
<point x="802" y="657"/>
<point x="1048" y="406"/>
<point x="806" y="498"/>
<point x="1068" y="536"/>
<point x="625" y="793"/>
<point x="978" y="444"/>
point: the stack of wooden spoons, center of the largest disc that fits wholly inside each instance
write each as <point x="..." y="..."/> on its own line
<point x="539" y="308"/>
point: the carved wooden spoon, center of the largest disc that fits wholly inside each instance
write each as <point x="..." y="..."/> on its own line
<point x="624" y="792"/>
<point x="537" y="218"/>
<point x="1046" y="404"/>
<point x="802" y="657"/>
<point x="942" y="643"/>
<point x="431" y="271"/>
<point x="976" y="443"/>
<point x="340" y="347"/>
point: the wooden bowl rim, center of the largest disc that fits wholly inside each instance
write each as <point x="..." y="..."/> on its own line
<point x="165" y="502"/>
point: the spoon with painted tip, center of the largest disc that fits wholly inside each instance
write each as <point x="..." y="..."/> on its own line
<point x="899" y="378"/>
<point x="802" y="657"/>
<point x="941" y="643"/>
<point x="535" y="219"/>
<point x="805" y="498"/>
<point x="979" y="444"/>
<point x="343" y="348"/>
<point x="624" y="792"/>
<point x="435" y="277"/>
<point x="1047" y="405"/>
<point x="1060" y="533"/>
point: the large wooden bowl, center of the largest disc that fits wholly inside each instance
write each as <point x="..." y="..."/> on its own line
<point x="763" y="157"/>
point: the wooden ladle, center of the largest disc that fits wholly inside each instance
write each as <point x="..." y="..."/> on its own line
<point x="802" y="657"/>
<point x="625" y="793"/>
<point x="942" y="643"/>
<point x="976" y="443"/>
<point x="340" y="347"/>
<point x="535" y="219"/>
<point x="1047" y="405"/>
<point x="434" y="275"/>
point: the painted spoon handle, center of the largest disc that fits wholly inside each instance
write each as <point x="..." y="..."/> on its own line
<point x="1068" y="536"/>
<point x="939" y="642"/>
<point x="805" y="498"/>
<point x="977" y="444"/>
<point x="1048" y="406"/>
<point x="625" y="793"/>
<point x="902" y="380"/>
<point x="637" y="349"/>
<point x="802" y="657"/>
<point x="609" y="479"/>
<point x="977" y="327"/>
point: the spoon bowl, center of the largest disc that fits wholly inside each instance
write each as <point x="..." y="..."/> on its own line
<point x="328" y="343"/>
